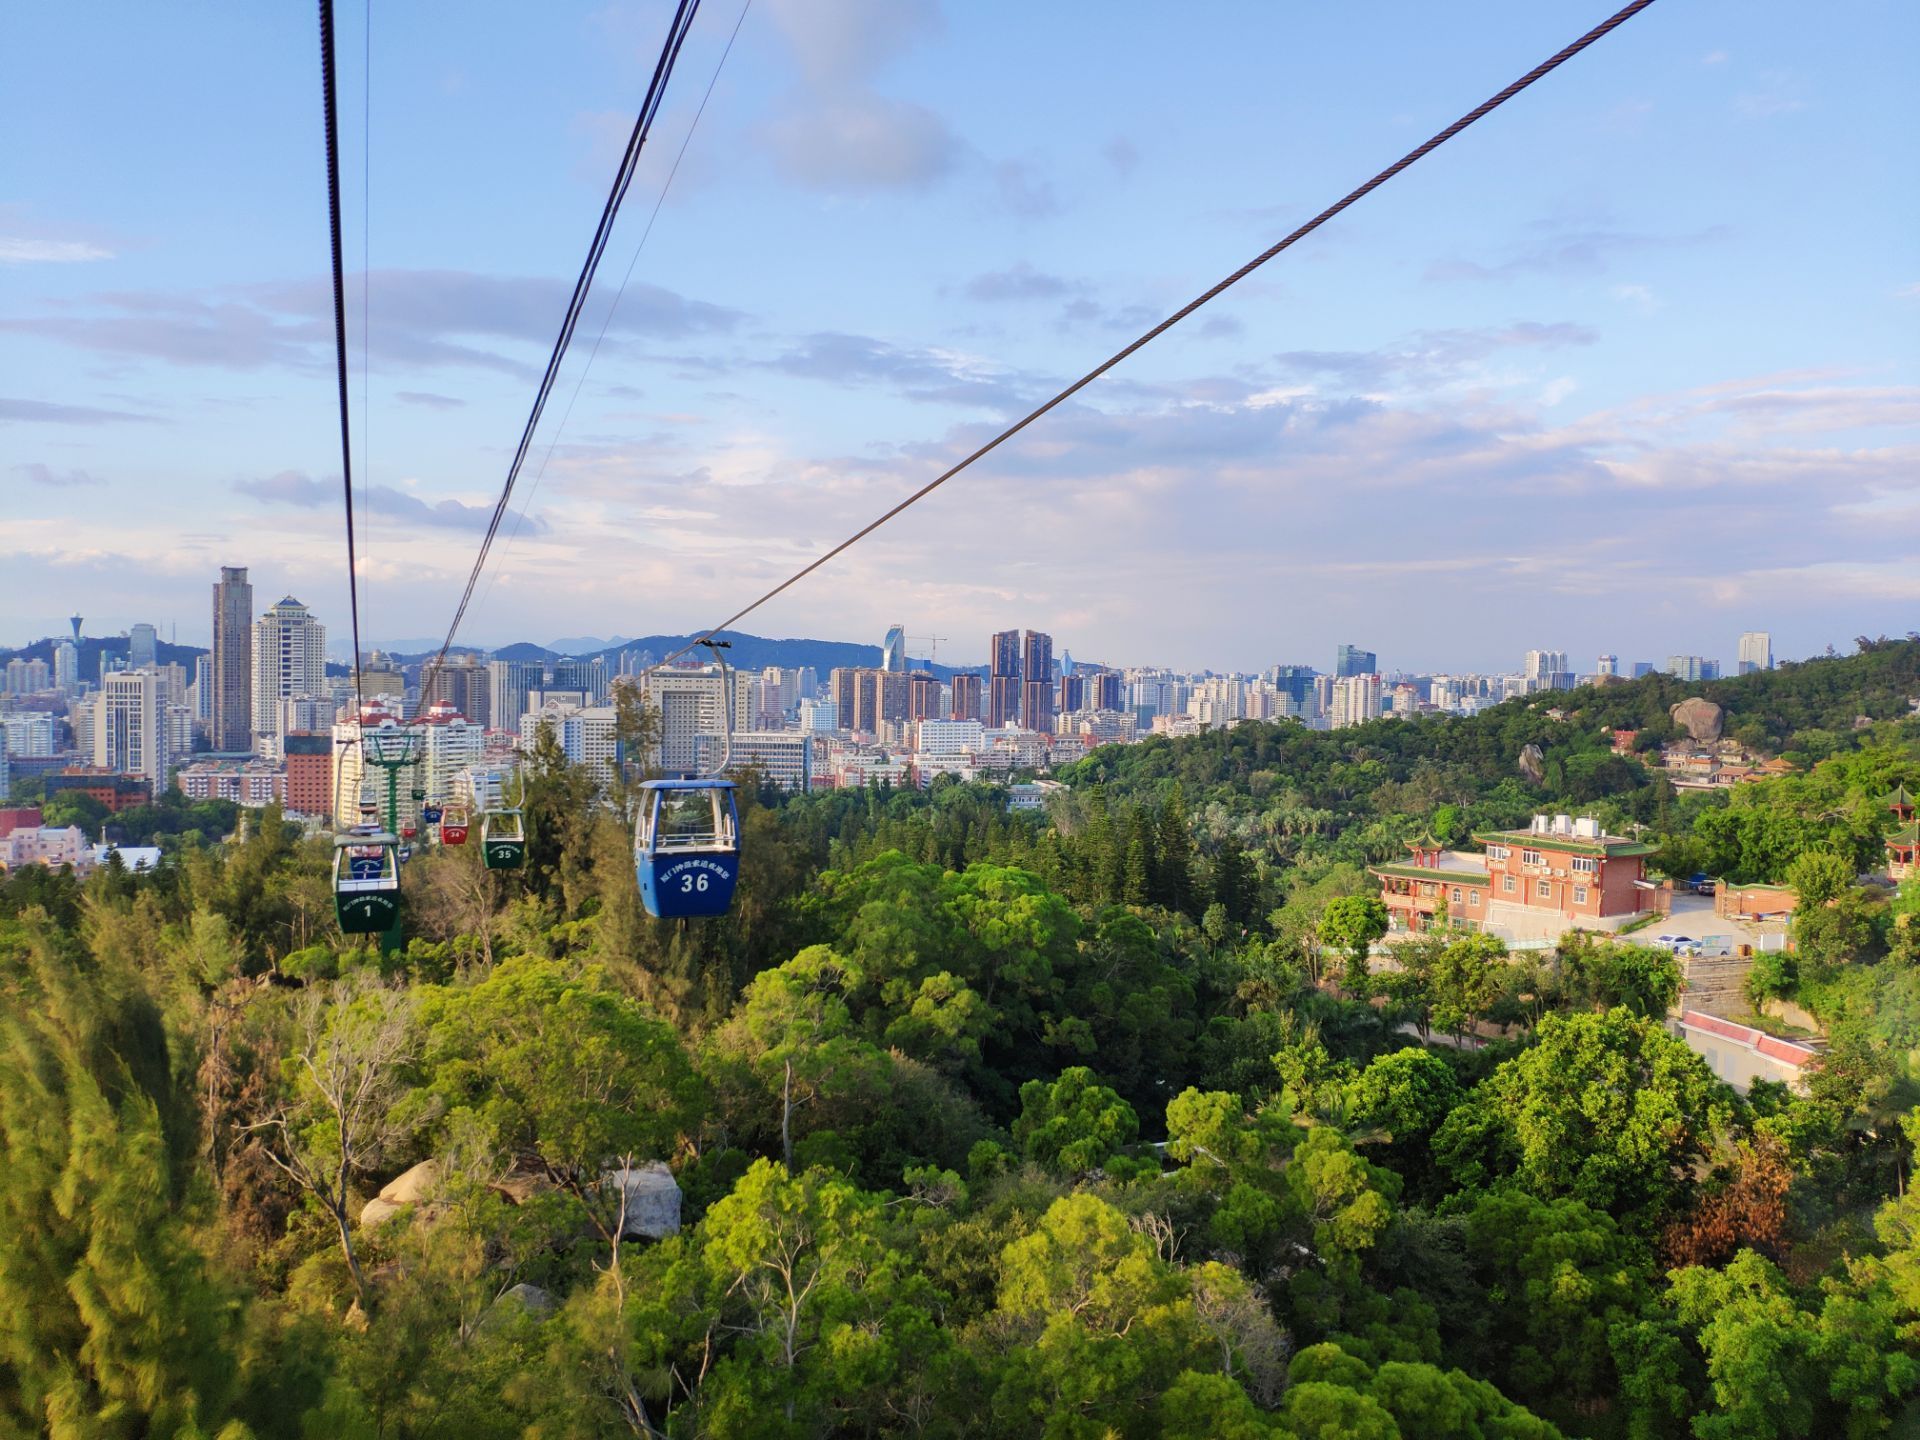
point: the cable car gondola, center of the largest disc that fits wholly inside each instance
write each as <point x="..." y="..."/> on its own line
<point x="430" y="814"/>
<point x="503" y="839"/>
<point x="686" y="848"/>
<point x="366" y="881"/>
<point x="453" y="823"/>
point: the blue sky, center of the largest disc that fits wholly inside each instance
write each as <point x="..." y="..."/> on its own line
<point x="1629" y="366"/>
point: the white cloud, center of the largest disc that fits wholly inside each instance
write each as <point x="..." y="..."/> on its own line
<point x="19" y="250"/>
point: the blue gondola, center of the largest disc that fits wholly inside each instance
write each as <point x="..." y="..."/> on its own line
<point x="430" y="814"/>
<point x="686" y="848"/>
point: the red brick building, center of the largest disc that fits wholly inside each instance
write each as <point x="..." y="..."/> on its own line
<point x="1559" y="874"/>
<point x="309" y="774"/>
<point x="115" y="791"/>
<point x="1434" y="885"/>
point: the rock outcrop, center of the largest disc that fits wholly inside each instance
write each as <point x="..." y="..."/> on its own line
<point x="1701" y="719"/>
<point x="652" y="1209"/>
<point x="1532" y="764"/>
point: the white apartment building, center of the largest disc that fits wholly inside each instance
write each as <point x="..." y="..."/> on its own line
<point x="949" y="739"/>
<point x="289" y="662"/>
<point x="449" y="746"/>
<point x="1356" y="700"/>
<point x="586" y="734"/>
<point x="782" y="757"/>
<point x="27" y="736"/>
<point x="130" y="727"/>
<point x="691" y="703"/>
<point x="1756" y="652"/>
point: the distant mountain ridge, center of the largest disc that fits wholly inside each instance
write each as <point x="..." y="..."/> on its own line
<point x="745" y="652"/>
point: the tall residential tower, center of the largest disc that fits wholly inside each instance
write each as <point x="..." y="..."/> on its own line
<point x="233" y="661"/>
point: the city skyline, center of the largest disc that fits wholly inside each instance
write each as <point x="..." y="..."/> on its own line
<point x="1570" y="383"/>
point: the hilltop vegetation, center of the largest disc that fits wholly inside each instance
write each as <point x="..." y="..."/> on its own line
<point x="1084" y="1125"/>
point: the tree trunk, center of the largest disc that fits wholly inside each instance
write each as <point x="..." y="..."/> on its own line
<point x="786" y="1118"/>
<point x="346" y="1248"/>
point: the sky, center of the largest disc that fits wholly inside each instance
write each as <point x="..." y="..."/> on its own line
<point x="1632" y="365"/>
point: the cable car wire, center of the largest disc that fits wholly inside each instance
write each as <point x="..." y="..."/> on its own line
<point x="1487" y="106"/>
<point x="649" y="107"/>
<point x="593" y="354"/>
<point x="327" y="85"/>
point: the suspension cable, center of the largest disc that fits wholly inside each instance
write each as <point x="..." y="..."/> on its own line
<point x="327" y="84"/>
<point x="659" y="200"/>
<point x="649" y="107"/>
<point x="1545" y="67"/>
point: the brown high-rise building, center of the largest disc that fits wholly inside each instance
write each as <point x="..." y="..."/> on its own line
<point x="233" y="661"/>
<point x="464" y="683"/>
<point x="842" y="683"/>
<point x="1105" y="690"/>
<point x="966" y="697"/>
<point x="1036" y="667"/>
<point x="1003" y="679"/>
<point x="878" y="695"/>
<point x="1073" y="694"/>
<point x="923" y="696"/>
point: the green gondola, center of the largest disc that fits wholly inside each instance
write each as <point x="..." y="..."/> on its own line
<point x="366" y="881"/>
<point x="503" y="839"/>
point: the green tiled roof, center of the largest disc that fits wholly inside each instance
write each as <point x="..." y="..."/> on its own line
<point x="1566" y="844"/>
<point x="1438" y="877"/>
<point x="1906" y="835"/>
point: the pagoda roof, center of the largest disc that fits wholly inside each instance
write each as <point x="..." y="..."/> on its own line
<point x="1907" y="835"/>
<point x="1900" y="798"/>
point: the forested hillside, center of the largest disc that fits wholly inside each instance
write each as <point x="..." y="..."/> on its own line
<point x="1081" y="1125"/>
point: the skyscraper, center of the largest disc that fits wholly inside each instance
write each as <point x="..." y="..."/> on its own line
<point x="143" y="647"/>
<point x="893" y="654"/>
<point x="66" y="668"/>
<point x="1609" y="665"/>
<point x="587" y="675"/>
<point x="1756" y="652"/>
<point x="129" y="731"/>
<point x="1352" y="660"/>
<point x="841" y="682"/>
<point x="923" y="695"/>
<point x="1003" y="679"/>
<point x="463" y="682"/>
<point x="1036" y="669"/>
<point x="289" y="663"/>
<point x="966" y="697"/>
<point x="508" y="683"/>
<point x="233" y="660"/>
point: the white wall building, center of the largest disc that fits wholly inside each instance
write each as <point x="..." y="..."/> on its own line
<point x="130" y="727"/>
<point x="1356" y="700"/>
<point x="782" y="757"/>
<point x="289" y="661"/>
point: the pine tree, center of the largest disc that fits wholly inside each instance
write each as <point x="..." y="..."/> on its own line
<point x="1175" y="888"/>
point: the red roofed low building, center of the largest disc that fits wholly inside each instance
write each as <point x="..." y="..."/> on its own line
<point x="1560" y="874"/>
<point x="1740" y="1054"/>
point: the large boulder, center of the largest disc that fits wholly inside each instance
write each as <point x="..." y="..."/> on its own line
<point x="410" y="1187"/>
<point x="652" y="1209"/>
<point x="1701" y="719"/>
<point x="377" y="1212"/>
<point x="1532" y="764"/>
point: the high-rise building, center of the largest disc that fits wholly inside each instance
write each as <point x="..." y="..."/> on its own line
<point x="1687" y="667"/>
<point x="66" y="668"/>
<point x="232" y="715"/>
<point x="143" y="647"/>
<point x="464" y="683"/>
<point x="1356" y="700"/>
<point x="893" y="653"/>
<point x="1105" y="690"/>
<point x="1352" y="660"/>
<point x="289" y="663"/>
<point x="27" y="677"/>
<point x="1609" y="665"/>
<point x="923" y="695"/>
<point x="130" y="729"/>
<point x="1642" y="667"/>
<point x="1541" y="666"/>
<point x="1072" y="694"/>
<point x="1036" y="691"/>
<point x="841" y="683"/>
<point x="1003" y="679"/>
<point x="508" y="683"/>
<point x="1756" y="652"/>
<point x="691" y="701"/>
<point x="587" y="675"/>
<point x="965" y="696"/>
